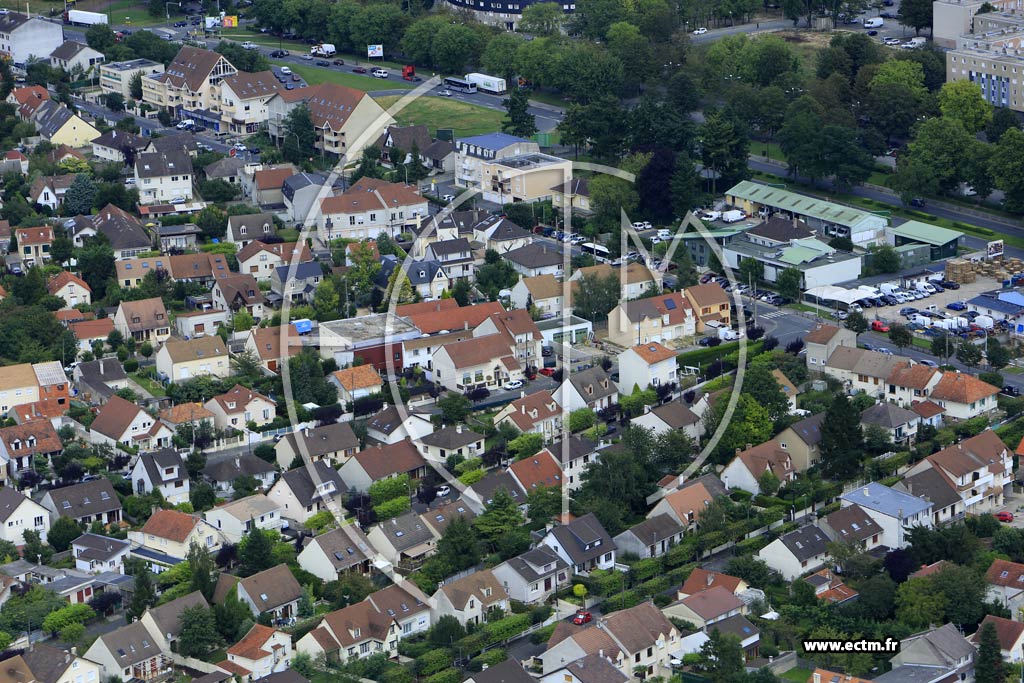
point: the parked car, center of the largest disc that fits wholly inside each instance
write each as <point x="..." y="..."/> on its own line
<point x="286" y="71"/>
<point x="339" y="62"/>
<point x="512" y="385"/>
<point x="322" y="62"/>
<point x="547" y="372"/>
<point x="1010" y="390"/>
<point x="928" y="363"/>
<point x="180" y="24"/>
<point x="879" y="326"/>
<point x="584" y="617"/>
<point x="957" y="306"/>
<point x="1002" y="516"/>
<point x="916" y="202"/>
<point x="700" y="31"/>
<point x="908" y="311"/>
<point x="443" y="490"/>
<point x="279" y="53"/>
<point x="949" y="284"/>
<point x="869" y="347"/>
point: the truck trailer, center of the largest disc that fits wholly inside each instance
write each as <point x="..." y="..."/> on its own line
<point x="488" y="84"/>
<point x="82" y="18"/>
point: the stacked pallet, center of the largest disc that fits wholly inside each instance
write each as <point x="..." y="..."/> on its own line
<point x="960" y="271"/>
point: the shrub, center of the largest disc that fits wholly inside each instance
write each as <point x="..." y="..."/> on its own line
<point x="433" y="661"/>
<point x="446" y="676"/>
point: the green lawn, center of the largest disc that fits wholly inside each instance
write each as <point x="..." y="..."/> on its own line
<point x="130" y="12"/>
<point x="439" y="112"/>
<point x="342" y="75"/>
<point x="799" y="675"/>
<point x="243" y="34"/>
<point x="823" y="312"/>
<point x="150" y="385"/>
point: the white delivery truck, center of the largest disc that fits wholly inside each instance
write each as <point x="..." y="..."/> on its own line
<point x="82" y="18"/>
<point x="488" y="84"/>
<point x="711" y="215"/>
<point x="323" y="50"/>
<point x="875" y="22"/>
<point x="733" y="216"/>
<point x="924" y="287"/>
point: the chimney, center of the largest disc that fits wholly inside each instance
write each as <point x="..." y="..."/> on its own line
<point x="458" y="429"/>
<point x="465" y="324"/>
<point x="67" y="657"/>
<point x="817" y="678"/>
<point x="305" y="432"/>
<point x="711" y="578"/>
<point x="865" y="490"/>
<point x="378" y="446"/>
<point x="899" y="513"/>
<point x="749" y="446"/>
<point x="522" y="394"/>
<point x="522" y="408"/>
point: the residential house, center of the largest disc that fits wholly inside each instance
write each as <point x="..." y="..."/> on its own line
<point x="701" y="579"/>
<point x="934" y="485"/>
<point x="129" y="653"/>
<point x="749" y="468"/>
<point x="88" y="502"/>
<point x="899" y="424"/>
<point x="223" y="473"/>
<point x="273" y="591"/>
<point x="823" y="340"/>
<point x="20" y="444"/>
<point x="180" y="360"/>
<point x="455" y="256"/>
<point x="829" y="588"/>
<point x="117" y="77"/>
<point x="266" y="343"/>
<point x="295" y="283"/>
<point x="237" y="293"/>
<point x="538" y="413"/>
<point x="260" y="653"/>
<point x="305" y="491"/>
<point x="128" y="237"/>
<point x="402" y="139"/>
<point x="99" y="379"/>
<point x="576" y="454"/>
<point x="238" y="407"/>
<point x="931" y="413"/>
<point x="710" y="304"/>
<point x="144" y="320"/>
<point x="74" y="56"/>
<point x="632" y="639"/>
<point x="522" y="332"/>
<point x="471" y="599"/>
<point x="18" y="514"/>
<point x="332" y="555"/>
<point x="802" y="440"/>
<point x="980" y="469"/>
<point x="391" y="425"/>
<point x="245" y="228"/>
<point x="647" y="365"/>
<point x="895" y="512"/>
<point x="334" y="443"/>
<point x="499" y="234"/>
<point x="260" y="259"/>
<point x="164" y="540"/>
<point x="370" y="207"/>
<point x="854" y="526"/>
<point x="228" y="169"/>
<point x="18" y="386"/>
<point x="356" y="382"/>
<point x="635" y="279"/>
<point x="404" y="541"/>
<point x="243" y="100"/>
<point x="664" y="319"/>
<point x="341" y="115"/>
<point x="650" y="538"/>
<point x="911" y="384"/>
<point x="583" y="544"/>
<point x="189" y="87"/>
<point x="164" y="178"/>
<point x="34" y="244"/>
<point x="944" y="650"/>
<point x="44" y="663"/>
<point x="684" y="505"/>
<point x="162" y="471"/>
<point x="592" y="388"/>
<point x="675" y="416"/>
<point x="963" y="395"/>
<point x="426" y="278"/>
<point x="384" y="461"/>
<point x="265" y="185"/>
<point x="122" y="422"/>
<point x="119" y="147"/>
<point x="451" y="440"/>
<point x="183" y="413"/>
<point x="97" y="554"/>
<point x="200" y="323"/>
<point x="536" y="259"/>
<point x="705" y="608"/>
<point x="541" y="470"/>
<point x="71" y="288"/>
<point x="1010" y="634"/>
<point x="574" y="194"/>
<point x="863" y="370"/>
<point x="164" y="621"/>
<point x="488" y="361"/>
<point x="61" y="126"/>
<point x="23" y="37"/>
<point x="533" y="576"/>
<point x="49" y="191"/>
<point x="798" y="552"/>
<point x="27" y="99"/>
<point x="176" y="238"/>
<point x="542" y="292"/>
<point x="88" y="332"/>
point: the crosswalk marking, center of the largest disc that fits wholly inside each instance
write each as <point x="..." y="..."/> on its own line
<point x="774" y="314"/>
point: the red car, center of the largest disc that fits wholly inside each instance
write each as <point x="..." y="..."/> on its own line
<point x="359" y="70"/>
<point x="582" y="617"/>
<point x="879" y="326"/>
<point x="547" y="372"/>
<point x="1004" y="516"/>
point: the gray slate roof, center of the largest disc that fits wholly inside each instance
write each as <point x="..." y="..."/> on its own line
<point x="888" y="415"/>
<point x="809" y="429"/>
<point x="158" y="165"/>
<point x="452" y="438"/>
<point x="583" y="539"/>
<point x="930" y="485"/>
<point x="805" y="542"/>
<point x="886" y="500"/>
<point x="304" y="488"/>
<point x="232" y="468"/>
<point x="50" y="116"/>
<point x="406" y="531"/>
<point x="535" y="255"/>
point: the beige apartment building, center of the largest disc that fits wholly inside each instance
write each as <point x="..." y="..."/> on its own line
<point x="523" y="178"/>
<point x="346" y="120"/>
<point x="990" y="53"/>
<point x="190" y="87"/>
<point x="116" y="77"/>
<point x="243" y="100"/>
<point x="954" y="18"/>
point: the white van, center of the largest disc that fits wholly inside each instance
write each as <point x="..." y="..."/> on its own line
<point x="286" y="71"/>
<point x="874" y="22"/>
<point x="380" y="73"/>
<point x="187" y="124"/>
<point x="664" y="233"/>
<point x="915" y="43"/>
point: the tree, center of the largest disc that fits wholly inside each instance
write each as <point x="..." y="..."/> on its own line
<point x="309" y="385"/>
<point x="454" y="407"/>
<point x="202" y="496"/>
<point x="518" y="120"/>
<point x="198" y="633"/>
<point x="596" y="296"/>
<point x="963" y="101"/>
<point x="34" y="548"/>
<point x="789" y="282"/>
<point x="885" y="259"/>
<point x="500" y="517"/>
<point x="917" y="14"/>
<point x="143" y="595"/>
<point x="254" y="552"/>
<point x="326" y="300"/>
<point x="114" y="101"/>
<point x="918" y="605"/>
<point x="542" y="19"/>
<point x="969" y="353"/>
<point x="685" y="187"/>
<point x="761" y="385"/>
<point x="101" y="38"/>
<point x="721" y="657"/>
<point x="997" y="354"/>
<point x="525" y="445"/>
<point x="990" y="667"/>
<point x="96" y="265"/>
<point x="80" y="196"/>
<point x="841" y="439"/>
<point x="856" y="322"/>
<point x="200" y="569"/>
<point x="724" y="150"/>
<point x="581" y="419"/>
<point x="1007" y="168"/>
<point x="72" y="614"/>
<point x="244" y="486"/>
<point x="461" y="291"/>
<point x="609" y="197"/>
<point x="964" y="590"/>
<point x="459" y="546"/>
<point x="800" y="137"/>
<point x="135" y="87"/>
<point x="1003" y="119"/>
<point x="299" y="134"/>
<point x="900" y="335"/>
<point x="62" y="532"/>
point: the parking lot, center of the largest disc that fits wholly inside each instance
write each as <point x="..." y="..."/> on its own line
<point x="965" y="293"/>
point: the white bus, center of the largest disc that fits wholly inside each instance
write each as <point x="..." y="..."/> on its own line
<point x="460" y="85"/>
<point x="598" y="251"/>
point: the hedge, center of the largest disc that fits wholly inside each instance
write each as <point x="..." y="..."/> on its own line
<point x="433" y="661"/>
<point x="490" y="658"/>
<point x="752" y="545"/>
<point x="543" y="635"/>
<point x="967" y="227"/>
<point x="923" y="216"/>
<point x="446" y="676"/>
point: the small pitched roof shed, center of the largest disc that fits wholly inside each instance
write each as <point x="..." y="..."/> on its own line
<point x="960" y="387"/>
<point x="170" y="524"/>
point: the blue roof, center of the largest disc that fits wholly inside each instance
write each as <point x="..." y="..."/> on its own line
<point x="994" y="304"/>
<point x="886" y="500"/>
<point x="1013" y="298"/>
<point x="154" y="556"/>
<point x="302" y="271"/>
<point x="493" y="141"/>
<point x="303" y="326"/>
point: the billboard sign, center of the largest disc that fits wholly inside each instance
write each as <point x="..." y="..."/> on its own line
<point x="995" y="248"/>
<point x="374" y="51"/>
<point x="230" y="21"/>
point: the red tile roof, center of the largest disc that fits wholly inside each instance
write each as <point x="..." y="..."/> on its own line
<point x="960" y="387"/>
<point x="170" y="524"/>
<point x="539" y="471"/>
<point x="653" y="352"/>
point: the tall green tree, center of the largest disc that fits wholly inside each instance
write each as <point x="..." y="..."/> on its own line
<point x="198" y="633"/>
<point x="518" y="120"/>
<point x="200" y="566"/>
<point x="962" y="100"/>
<point x="80" y="196"/>
<point x="724" y="149"/>
<point x="542" y="19"/>
<point x="1007" y="168"/>
<point x="761" y="385"/>
<point x="299" y="135"/>
<point x="500" y="517"/>
<point x="841" y="439"/>
<point x="143" y="595"/>
<point x="254" y="552"/>
<point x="62" y="533"/>
<point x="917" y="14"/>
<point x="990" y="667"/>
